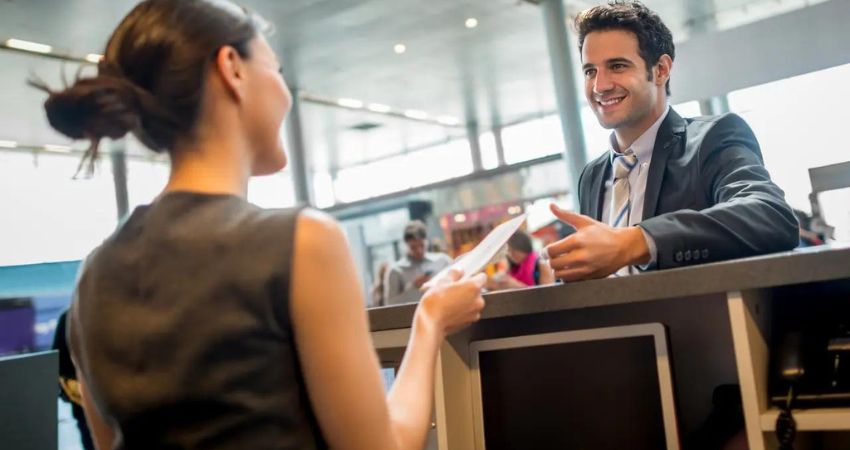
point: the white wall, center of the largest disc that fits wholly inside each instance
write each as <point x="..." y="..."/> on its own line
<point x="795" y="43"/>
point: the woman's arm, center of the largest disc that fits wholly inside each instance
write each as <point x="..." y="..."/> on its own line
<point x="340" y="365"/>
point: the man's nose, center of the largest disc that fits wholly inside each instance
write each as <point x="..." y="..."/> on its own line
<point x="602" y="82"/>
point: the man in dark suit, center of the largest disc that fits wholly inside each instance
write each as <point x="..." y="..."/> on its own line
<point x="670" y="192"/>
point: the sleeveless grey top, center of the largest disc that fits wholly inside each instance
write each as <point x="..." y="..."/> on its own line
<point x="181" y="326"/>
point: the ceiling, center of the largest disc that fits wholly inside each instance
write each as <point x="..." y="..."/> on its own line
<point x="495" y="73"/>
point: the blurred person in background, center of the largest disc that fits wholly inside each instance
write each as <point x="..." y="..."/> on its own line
<point x="205" y="321"/>
<point x="808" y="238"/>
<point x="525" y="267"/>
<point x="405" y="278"/>
<point x="69" y="390"/>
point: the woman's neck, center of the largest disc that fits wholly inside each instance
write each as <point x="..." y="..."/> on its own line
<point x="222" y="167"/>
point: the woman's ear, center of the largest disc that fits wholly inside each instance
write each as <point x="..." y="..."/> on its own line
<point x="230" y="67"/>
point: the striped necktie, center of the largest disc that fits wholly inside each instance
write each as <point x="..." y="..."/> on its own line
<point x="621" y="202"/>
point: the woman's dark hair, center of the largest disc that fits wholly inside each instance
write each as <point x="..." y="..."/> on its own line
<point x="520" y="241"/>
<point x="151" y="79"/>
<point x="654" y="38"/>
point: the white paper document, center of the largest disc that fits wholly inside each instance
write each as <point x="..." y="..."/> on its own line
<point x="475" y="260"/>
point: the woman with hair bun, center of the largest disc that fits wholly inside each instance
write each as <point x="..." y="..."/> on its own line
<point x="204" y="321"/>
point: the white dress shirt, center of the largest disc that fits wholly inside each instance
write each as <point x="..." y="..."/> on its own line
<point x="642" y="148"/>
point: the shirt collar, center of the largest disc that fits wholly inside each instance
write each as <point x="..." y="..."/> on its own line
<point x="643" y="145"/>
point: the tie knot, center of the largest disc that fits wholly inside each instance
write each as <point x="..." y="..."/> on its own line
<point x="623" y="165"/>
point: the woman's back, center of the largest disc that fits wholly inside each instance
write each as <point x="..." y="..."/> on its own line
<point x="181" y="325"/>
<point x="187" y="319"/>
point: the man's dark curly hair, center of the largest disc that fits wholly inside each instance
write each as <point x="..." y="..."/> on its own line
<point x="654" y="38"/>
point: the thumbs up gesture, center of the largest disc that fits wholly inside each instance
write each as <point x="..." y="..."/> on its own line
<point x="595" y="250"/>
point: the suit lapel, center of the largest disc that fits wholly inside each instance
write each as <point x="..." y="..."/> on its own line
<point x="597" y="194"/>
<point x="669" y="135"/>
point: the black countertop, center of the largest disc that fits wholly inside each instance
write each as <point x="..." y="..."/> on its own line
<point x="795" y="267"/>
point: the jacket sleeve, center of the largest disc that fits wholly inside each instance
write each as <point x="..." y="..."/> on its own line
<point x="749" y="215"/>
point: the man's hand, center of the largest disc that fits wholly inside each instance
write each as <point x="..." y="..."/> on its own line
<point x="595" y="250"/>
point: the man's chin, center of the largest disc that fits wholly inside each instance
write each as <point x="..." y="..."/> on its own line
<point x="612" y="123"/>
<point x="609" y="124"/>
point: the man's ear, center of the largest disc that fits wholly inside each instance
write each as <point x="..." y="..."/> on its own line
<point x="230" y="67"/>
<point x="662" y="69"/>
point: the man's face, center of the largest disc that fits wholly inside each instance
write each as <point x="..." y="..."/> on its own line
<point x="616" y="81"/>
<point x="416" y="248"/>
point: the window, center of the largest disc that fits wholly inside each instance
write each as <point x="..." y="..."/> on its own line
<point x="532" y="139"/>
<point x="145" y="180"/>
<point x="442" y="162"/>
<point x="401" y="172"/>
<point x="272" y="191"/>
<point x="596" y="138"/>
<point x="323" y="189"/>
<point x="489" y="154"/>
<point x="799" y="123"/>
<point x="47" y="215"/>
<point x="371" y="179"/>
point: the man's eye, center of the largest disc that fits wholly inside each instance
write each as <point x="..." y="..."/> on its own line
<point x="589" y="73"/>
<point x="618" y="66"/>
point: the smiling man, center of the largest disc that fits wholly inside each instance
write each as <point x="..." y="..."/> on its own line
<point x="669" y="192"/>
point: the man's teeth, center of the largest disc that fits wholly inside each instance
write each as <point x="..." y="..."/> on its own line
<point x="610" y="102"/>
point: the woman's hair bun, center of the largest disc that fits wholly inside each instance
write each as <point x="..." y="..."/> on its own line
<point x="94" y="108"/>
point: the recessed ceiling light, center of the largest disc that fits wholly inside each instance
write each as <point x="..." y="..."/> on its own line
<point x="28" y="46"/>
<point x="448" y="120"/>
<point x="94" y="58"/>
<point x="350" y="103"/>
<point x="400" y="48"/>
<point x="472" y="22"/>
<point x="378" y="108"/>
<point x="57" y="148"/>
<point x="416" y="114"/>
<point x="8" y="144"/>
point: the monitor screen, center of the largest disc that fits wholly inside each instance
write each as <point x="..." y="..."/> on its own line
<point x="28" y="401"/>
<point x="600" y="393"/>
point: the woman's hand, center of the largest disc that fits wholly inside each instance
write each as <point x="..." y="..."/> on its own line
<point x="451" y="305"/>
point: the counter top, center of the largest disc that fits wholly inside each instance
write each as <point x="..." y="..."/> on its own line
<point x="794" y="267"/>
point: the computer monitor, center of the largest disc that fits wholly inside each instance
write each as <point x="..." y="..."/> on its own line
<point x="604" y="388"/>
<point x="28" y="401"/>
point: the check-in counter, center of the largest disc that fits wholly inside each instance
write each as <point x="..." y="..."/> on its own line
<point x="706" y="326"/>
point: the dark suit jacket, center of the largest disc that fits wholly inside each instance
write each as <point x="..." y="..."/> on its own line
<point x="708" y="196"/>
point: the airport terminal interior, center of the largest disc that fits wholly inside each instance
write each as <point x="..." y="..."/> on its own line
<point x="465" y="114"/>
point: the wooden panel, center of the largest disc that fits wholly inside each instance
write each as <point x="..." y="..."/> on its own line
<point x="748" y="316"/>
<point x="454" y="400"/>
